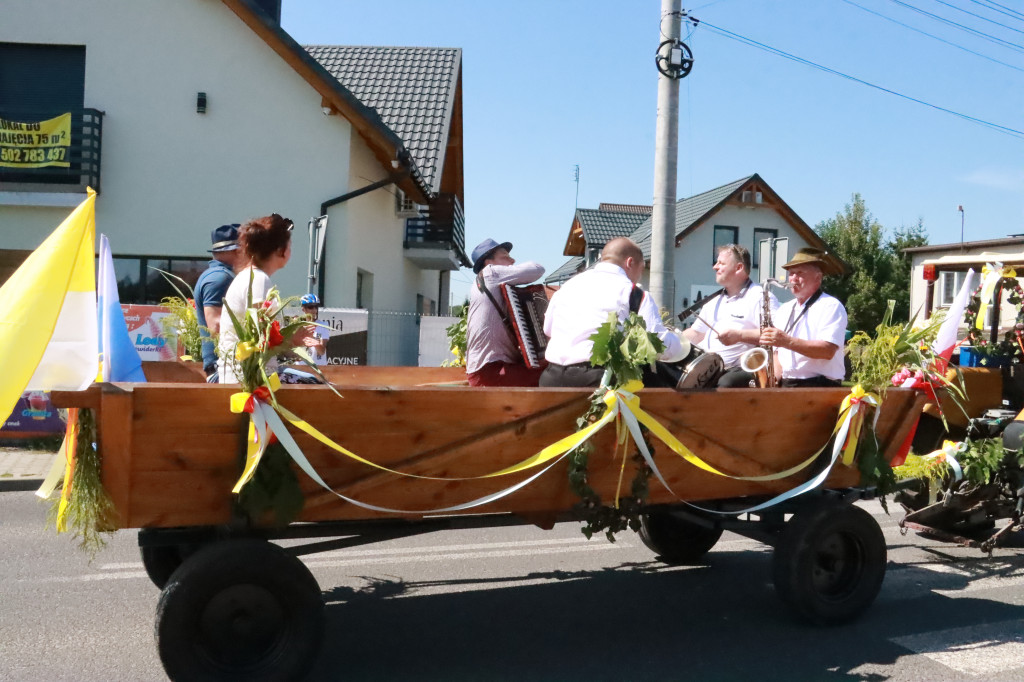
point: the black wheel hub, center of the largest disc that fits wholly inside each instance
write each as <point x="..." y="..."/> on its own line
<point x="241" y="625"/>
<point x="837" y="562"/>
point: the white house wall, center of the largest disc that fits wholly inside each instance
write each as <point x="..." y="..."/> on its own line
<point x="373" y="242"/>
<point x="169" y="175"/>
<point x="918" y="286"/>
<point x="695" y="255"/>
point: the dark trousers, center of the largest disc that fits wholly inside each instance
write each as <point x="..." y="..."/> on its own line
<point x="813" y="382"/>
<point x="582" y="375"/>
<point x="735" y="377"/>
<point x="504" y="374"/>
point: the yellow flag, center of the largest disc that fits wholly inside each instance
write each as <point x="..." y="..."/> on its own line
<point x="48" y="313"/>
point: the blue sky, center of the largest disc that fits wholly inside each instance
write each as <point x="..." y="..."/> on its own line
<point x="548" y="85"/>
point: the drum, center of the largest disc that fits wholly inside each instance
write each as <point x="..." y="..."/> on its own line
<point x="700" y="369"/>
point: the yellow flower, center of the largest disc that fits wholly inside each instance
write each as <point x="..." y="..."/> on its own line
<point x="244" y="350"/>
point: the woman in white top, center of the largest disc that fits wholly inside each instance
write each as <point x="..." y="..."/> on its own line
<point x="267" y="244"/>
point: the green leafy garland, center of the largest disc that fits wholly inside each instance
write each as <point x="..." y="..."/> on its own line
<point x="623" y="349"/>
<point x="1009" y="345"/>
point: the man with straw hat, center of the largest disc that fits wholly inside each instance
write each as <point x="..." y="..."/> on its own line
<point x="809" y="346"/>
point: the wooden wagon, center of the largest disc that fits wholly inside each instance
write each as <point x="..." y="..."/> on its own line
<point x="234" y="605"/>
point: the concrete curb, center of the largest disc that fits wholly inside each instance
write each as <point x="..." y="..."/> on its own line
<point x="20" y="484"/>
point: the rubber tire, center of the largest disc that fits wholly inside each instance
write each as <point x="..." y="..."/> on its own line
<point x="240" y="610"/>
<point x="829" y="563"/>
<point x="676" y="540"/>
<point x="161" y="561"/>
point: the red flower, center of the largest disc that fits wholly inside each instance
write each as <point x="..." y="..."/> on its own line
<point x="267" y="304"/>
<point x="274" y="337"/>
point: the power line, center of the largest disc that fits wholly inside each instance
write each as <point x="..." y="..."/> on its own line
<point x="1012" y="13"/>
<point x="930" y="35"/>
<point x="991" y="21"/>
<point x="950" y="22"/>
<point x="1019" y="134"/>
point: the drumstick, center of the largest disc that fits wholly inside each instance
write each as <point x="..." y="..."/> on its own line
<point x="708" y="324"/>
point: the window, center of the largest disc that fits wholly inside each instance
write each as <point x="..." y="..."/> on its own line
<point x="364" y="289"/>
<point x="138" y="279"/>
<point x="404" y="206"/>
<point x="38" y="83"/>
<point x="723" y="235"/>
<point x="950" y="283"/>
<point x="760" y="234"/>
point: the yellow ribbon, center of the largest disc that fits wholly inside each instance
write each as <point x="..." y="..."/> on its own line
<point x="615" y="400"/>
<point x="70" y="451"/>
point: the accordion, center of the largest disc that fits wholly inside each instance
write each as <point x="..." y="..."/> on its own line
<point x="526" y="306"/>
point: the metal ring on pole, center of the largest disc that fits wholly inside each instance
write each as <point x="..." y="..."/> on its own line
<point x="666" y="67"/>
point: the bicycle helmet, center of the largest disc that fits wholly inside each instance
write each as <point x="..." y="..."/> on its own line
<point x="310" y="300"/>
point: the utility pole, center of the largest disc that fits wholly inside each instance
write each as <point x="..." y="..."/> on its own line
<point x="961" y="209"/>
<point x="674" y="61"/>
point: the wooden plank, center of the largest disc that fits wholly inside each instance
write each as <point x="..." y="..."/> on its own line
<point x="363" y="375"/>
<point x="182" y="449"/>
<point x="174" y="372"/>
<point x="115" y="446"/>
<point x="90" y="398"/>
<point x="167" y="499"/>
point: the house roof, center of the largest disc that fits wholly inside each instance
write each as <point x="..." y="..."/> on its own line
<point x="1013" y="240"/>
<point x="690" y="211"/>
<point x="626" y="208"/>
<point x="412" y="89"/>
<point x="387" y="146"/>
<point x="600" y="226"/>
<point x="565" y="271"/>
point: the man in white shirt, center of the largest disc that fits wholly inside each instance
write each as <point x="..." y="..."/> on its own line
<point x="582" y="305"/>
<point x="810" y="331"/>
<point x="730" y="324"/>
<point x="492" y="353"/>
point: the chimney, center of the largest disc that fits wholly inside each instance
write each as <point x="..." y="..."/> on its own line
<point x="272" y="8"/>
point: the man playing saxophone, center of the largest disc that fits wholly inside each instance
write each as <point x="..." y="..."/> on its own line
<point x="730" y="324"/>
<point x="811" y="329"/>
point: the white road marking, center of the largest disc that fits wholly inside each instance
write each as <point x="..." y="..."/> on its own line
<point x="975" y="650"/>
<point x="455" y="556"/>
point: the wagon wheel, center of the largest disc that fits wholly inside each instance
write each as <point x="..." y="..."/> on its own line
<point x="160" y="561"/>
<point x="240" y="610"/>
<point x="829" y="563"/>
<point x="676" y="540"/>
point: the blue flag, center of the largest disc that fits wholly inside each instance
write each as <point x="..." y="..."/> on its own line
<point x="119" y="361"/>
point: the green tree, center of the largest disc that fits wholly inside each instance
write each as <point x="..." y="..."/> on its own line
<point x="879" y="269"/>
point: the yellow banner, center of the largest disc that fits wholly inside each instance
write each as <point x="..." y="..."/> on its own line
<point x="35" y="145"/>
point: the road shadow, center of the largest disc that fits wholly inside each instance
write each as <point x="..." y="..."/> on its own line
<point x="637" y="621"/>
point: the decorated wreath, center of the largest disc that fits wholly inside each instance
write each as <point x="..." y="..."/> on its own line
<point x="1011" y="344"/>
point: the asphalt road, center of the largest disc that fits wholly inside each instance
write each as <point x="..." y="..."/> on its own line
<point x="524" y="604"/>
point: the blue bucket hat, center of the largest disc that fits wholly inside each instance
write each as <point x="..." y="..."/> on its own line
<point x="225" y="238"/>
<point x="484" y="250"/>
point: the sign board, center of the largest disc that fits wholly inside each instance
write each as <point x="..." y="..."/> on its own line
<point x="33" y="415"/>
<point x="35" y="145"/>
<point x="348" y="340"/>
<point x="143" y="322"/>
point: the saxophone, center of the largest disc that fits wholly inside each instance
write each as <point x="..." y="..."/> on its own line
<point x="760" y="361"/>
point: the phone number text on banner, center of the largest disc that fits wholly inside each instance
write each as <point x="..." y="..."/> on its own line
<point x="35" y="145"/>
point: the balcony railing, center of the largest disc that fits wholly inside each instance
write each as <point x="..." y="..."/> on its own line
<point x="439" y="226"/>
<point x="82" y="155"/>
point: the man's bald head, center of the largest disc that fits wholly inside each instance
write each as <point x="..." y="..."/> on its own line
<point x="624" y="252"/>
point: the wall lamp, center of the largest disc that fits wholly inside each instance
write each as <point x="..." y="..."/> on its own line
<point x="201" y="103"/>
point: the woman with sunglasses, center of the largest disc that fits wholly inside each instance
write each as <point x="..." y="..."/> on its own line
<point x="266" y="243"/>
